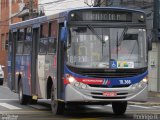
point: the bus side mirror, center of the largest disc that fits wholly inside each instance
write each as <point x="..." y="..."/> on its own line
<point x="149" y="42"/>
<point x="63" y="34"/>
<point x="6" y="45"/>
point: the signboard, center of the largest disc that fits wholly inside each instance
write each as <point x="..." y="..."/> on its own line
<point x="121" y="64"/>
<point x="125" y="64"/>
<point x="101" y="15"/>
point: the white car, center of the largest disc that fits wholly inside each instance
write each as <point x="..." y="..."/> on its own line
<point x="1" y="75"/>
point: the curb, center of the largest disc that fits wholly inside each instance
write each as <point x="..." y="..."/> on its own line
<point x="144" y="103"/>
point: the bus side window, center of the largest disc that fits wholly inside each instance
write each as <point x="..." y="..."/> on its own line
<point x="19" y="48"/>
<point x="52" y="45"/>
<point x="28" y="41"/>
<point x="43" y="42"/>
<point x="53" y="28"/>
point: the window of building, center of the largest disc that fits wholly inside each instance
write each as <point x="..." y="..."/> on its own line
<point x="14" y="1"/>
<point x="7" y="36"/>
<point x="7" y="3"/>
<point x="2" y="42"/>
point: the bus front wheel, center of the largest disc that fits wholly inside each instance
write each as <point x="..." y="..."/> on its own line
<point x="23" y="99"/>
<point x="119" y="108"/>
<point x="57" y="106"/>
<point x="32" y="101"/>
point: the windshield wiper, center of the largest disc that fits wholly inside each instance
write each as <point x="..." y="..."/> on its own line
<point x="95" y="33"/>
<point x="122" y="36"/>
<point x="120" y="39"/>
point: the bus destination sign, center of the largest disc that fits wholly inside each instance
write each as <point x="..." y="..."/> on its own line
<point x="102" y="16"/>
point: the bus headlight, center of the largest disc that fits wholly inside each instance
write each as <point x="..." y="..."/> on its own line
<point x="71" y="79"/>
<point x="77" y="84"/>
<point x="83" y="86"/>
<point x="141" y="84"/>
<point x="134" y="86"/>
<point x="145" y="80"/>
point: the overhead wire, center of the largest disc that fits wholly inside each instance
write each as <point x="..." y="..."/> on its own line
<point x="57" y="1"/>
<point x="53" y="8"/>
<point x="12" y="16"/>
<point x="48" y="3"/>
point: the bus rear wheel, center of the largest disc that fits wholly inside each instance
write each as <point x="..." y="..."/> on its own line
<point x="57" y="106"/>
<point x="23" y="99"/>
<point x="119" y="108"/>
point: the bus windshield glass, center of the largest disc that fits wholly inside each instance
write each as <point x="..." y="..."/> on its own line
<point x="97" y="47"/>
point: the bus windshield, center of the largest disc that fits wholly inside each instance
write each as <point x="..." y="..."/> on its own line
<point x="96" y="47"/>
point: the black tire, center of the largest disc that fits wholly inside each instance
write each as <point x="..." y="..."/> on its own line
<point x="32" y="101"/>
<point x="119" y="108"/>
<point x="1" y="82"/>
<point x="56" y="106"/>
<point x="23" y="99"/>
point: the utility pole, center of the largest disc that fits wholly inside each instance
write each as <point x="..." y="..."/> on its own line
<point x="30" y="8"/>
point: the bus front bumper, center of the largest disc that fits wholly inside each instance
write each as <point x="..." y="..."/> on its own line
<point x="94" y="94"/>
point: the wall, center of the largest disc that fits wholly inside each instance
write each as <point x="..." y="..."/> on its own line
<point x="4" y="15"/>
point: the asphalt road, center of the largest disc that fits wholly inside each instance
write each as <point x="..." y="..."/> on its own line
<point x="10" y="109"/>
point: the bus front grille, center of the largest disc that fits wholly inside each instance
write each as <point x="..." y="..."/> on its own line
<point x="105" y="86"/>
<point x="97" y="97"/>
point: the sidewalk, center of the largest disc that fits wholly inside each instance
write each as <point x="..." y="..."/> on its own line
<point x="153" y="100"/>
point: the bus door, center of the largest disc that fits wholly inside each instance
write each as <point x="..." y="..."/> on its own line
<point x="35" y="34"/>
<point x="60" y="67"/>
<point x="11" y="62"/>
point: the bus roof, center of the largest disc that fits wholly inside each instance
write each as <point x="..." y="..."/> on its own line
<point x="63" y="15"/>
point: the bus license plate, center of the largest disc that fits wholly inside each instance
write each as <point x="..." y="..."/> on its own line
<point x="109" y="94"/>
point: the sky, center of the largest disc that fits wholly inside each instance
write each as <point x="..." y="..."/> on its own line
<point x="55" y="6"/>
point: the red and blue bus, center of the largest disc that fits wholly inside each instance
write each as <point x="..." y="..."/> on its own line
<point x="80" y="56"/>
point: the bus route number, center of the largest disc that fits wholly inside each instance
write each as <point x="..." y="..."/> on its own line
<point x="125" y="82"/>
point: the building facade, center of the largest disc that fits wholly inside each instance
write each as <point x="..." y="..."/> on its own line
<point x="4" y="25"/>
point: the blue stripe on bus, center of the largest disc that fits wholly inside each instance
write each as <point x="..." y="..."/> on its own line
<point x="113" y="81"/>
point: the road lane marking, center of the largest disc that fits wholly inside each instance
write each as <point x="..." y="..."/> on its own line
<point x="156" y="107"/>
<point x="8" y="99"/>
<point x="11" y="107"/>
<point x="40" y="107"/>
<point x="83" y="119"/>
<point x="94" y="107"/>
<point x="138" y="106"/>
<point x="109" y="105"/>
